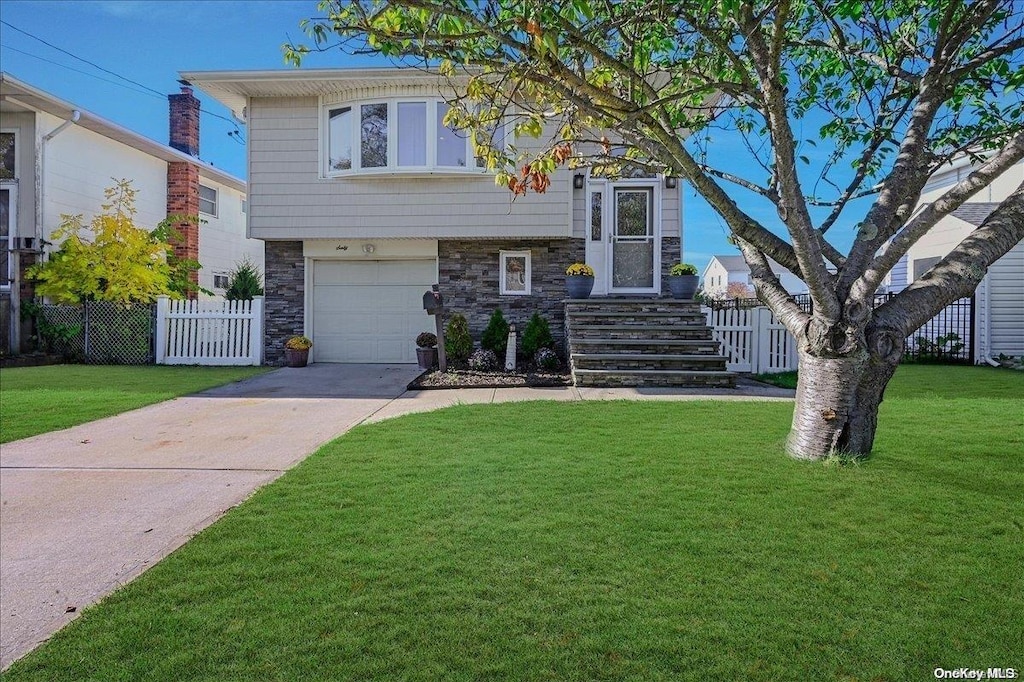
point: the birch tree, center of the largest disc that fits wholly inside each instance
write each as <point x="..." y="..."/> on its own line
<point x="893" y="89"/>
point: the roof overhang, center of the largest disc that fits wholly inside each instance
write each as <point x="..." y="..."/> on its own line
<point x="16" y="95"/>
<point x="233" y="88"/>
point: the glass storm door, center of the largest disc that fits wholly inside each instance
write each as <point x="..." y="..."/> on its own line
<point x="632" y="247"/>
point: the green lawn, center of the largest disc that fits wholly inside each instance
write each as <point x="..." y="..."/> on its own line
<point x="599" y="541"/>
<point x="37" y="400"/>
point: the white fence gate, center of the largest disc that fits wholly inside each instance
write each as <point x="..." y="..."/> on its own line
<point x="753" y="340"/>
<point x="209" y="332"/>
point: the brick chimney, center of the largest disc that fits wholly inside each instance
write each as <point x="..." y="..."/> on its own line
<point x="183" y="177"/>
<point x="184" y="121"/>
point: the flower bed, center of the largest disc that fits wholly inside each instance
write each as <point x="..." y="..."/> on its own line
<point x="467" y="378"/>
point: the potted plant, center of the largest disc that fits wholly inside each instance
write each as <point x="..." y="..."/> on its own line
<point x="579" y="280"/>
<point x="296" y="351"/>
<point x="682" y="280"/>
<point x="426" y="350"/>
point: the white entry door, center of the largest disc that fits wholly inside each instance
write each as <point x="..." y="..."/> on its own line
<point x="634" y="240"/>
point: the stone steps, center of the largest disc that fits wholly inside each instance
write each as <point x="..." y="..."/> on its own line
<point x="642" y="342"/>
<point x="643" y="346"/>
<point x="653" y="378"/>
<point x="643" y="332"/>
<point x="642" y="361"/>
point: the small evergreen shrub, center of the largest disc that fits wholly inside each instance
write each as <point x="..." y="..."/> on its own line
<point x="495" y="337"/>
<point x="537" y="335"/>
<point x="426" y="340"/>
<point x="483" y="360"/>
<point x="245" y="282"/>
<point x="546" y="359"/>
<point x="458" y="344"/>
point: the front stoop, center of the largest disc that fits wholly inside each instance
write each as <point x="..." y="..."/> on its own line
<point x="643" y="342"/>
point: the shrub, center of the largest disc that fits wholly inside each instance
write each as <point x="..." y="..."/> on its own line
<point x="483" y="360"/>
<point x="426" y="340"/>
<point x="458" y="344"/>
<point x="537" y="335"/>
<point x="545" y="358"/>
<point x="495" y="337"/>
<point x="245" y="281"/>
<point x="683" y="269"/>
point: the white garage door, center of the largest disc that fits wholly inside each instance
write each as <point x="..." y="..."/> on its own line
<point x="369" y="311"/>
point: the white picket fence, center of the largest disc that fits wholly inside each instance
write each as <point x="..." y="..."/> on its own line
<point x="210" y="332"/>
<point x="753" y="340"/>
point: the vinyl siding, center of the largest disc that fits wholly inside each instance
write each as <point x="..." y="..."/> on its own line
<point x="1006" y="303"/>
<point x="289" y="199"/>
<point x="81" y="164"/>
<point x="222" y="242"/>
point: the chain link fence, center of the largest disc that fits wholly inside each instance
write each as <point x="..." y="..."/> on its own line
<point x="100" y="332"/>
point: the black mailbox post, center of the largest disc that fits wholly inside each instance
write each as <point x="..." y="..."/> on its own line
<point x="433" y="303"/>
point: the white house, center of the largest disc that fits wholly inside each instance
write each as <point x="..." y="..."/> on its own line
<point x="365" y="199"/>
<point x="58" y="159"/>
<point x="999" y="299"/>
<point x="723" y="270"/>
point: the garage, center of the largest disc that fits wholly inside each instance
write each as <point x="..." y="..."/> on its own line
<point x="369" y="311"/>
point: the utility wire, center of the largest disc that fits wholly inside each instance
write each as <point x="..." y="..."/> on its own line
<point x="84" y="73"/>
<point x="112" y="73"/>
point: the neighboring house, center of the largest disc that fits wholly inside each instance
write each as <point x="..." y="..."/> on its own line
<point x="365" y="199"/>
<point x="999" y="299"/>
<point x="723" y="270"/>
<point x="58" y="159"/>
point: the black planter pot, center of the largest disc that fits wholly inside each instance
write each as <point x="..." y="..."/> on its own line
<point x="426" y="357"/>
<point x="683" y="286"/>
<point x="296" y="358"/>
<point x="579" y="286"/>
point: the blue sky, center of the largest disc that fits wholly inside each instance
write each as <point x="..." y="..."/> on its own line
<point x="150" y="41"/>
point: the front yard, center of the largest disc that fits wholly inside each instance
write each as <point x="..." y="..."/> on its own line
<point x="36" y="400"/>
<point x="588" y="541"/>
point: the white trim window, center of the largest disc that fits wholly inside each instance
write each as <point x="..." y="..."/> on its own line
<point x="8" y="228"/>
<point x="221" y="280"/>
<point x="208" y="200"/>
<point x="514" y="273"/>
<point x="396" y="135"/>
<point x="8" y="155"/>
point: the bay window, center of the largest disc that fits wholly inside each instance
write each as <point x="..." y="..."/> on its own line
<point x="396" y="135"/>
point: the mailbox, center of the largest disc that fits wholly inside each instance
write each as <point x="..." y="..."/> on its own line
<point x="432" y="301"/>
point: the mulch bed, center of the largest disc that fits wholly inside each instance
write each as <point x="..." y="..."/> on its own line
<point x="32" y="360"/>
<point x="467" y="378"/>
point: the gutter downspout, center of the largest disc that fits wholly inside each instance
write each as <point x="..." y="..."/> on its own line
<point x="38" y="232"/>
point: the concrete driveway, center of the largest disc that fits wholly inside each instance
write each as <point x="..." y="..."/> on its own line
<point x="85" y="510"/>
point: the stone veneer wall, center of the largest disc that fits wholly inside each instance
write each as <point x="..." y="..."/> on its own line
<point x="669" y="257"/>
<point x="285" y="291"/>
<point x="469" y="281"/>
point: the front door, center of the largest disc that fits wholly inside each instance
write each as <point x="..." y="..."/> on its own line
<point x="633" y="248"/>
<point x="623" y="236"/>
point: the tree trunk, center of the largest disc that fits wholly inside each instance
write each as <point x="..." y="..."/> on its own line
<point x="837" y="400"/>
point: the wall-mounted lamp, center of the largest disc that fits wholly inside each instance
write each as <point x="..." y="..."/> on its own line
<point x="578" y="180"/>
<point x="368" y="249"/>
<point x="670" y="182"/>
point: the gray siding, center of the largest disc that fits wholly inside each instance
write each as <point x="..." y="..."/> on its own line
<point x="289" y="199"/>
<point x="1006" y="303"/>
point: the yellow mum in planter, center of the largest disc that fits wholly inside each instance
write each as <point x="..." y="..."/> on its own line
<point x="580" y="269"/>
<point x="298" y="343"/>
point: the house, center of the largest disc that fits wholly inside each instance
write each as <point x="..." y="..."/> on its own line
<point x="365" y="199"/>
<point x="723" y="270"/>
<point x="58" y="158"/>
<point x="998" y="326"/>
